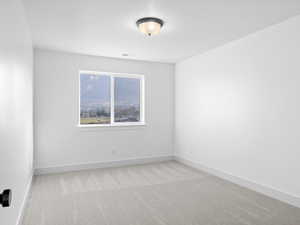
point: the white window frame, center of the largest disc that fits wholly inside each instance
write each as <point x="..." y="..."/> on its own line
<point x="112" y="98"/>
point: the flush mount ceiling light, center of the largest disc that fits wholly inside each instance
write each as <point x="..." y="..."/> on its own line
<point x="150" y="25"/>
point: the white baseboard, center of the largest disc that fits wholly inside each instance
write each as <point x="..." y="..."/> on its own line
<point x="24" y="202"/>
<point x="85" y="166"/>
<point x="271" y="192"/>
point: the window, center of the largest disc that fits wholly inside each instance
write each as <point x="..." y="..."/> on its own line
<point x="109" y="99"/>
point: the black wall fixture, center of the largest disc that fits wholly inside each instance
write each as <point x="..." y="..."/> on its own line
<point x="5" y="198"/>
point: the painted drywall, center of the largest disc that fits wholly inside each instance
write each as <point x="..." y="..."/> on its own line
<point x="16" y="114"/>
<point x="237" y="108"/>
<point x="58" y="139"/>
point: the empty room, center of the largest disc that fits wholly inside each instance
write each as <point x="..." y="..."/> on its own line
<point x="149" y="112"/>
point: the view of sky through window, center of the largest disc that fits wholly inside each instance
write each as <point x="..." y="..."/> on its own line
<point x="127" y="99"/>
<point x="95" y="99"/>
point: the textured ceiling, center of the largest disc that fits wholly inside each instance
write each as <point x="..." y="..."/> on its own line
<point x="107" y="28"/>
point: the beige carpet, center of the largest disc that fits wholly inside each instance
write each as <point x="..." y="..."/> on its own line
<point x="164" y="194"/>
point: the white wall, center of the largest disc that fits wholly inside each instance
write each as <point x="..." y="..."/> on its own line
<point x="58" y="140"/>
<point x="16" y="122"/>
<point x="237" y="108"/>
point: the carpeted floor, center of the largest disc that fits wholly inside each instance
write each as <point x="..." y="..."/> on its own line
<point x="166" y="193"/>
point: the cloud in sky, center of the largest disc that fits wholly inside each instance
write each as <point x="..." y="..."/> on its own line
<point x="96" y="88"/>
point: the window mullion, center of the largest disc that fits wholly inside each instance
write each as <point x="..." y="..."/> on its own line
<point x="142" y="100"/>
<point x="112" y="100"/>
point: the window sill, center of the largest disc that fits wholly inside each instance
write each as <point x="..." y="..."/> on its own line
<point x="117" y="125"/>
